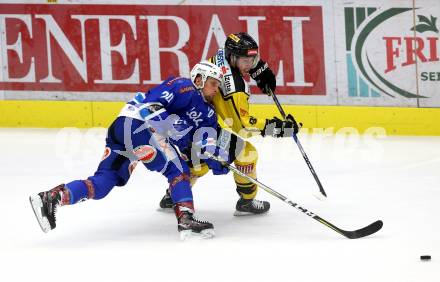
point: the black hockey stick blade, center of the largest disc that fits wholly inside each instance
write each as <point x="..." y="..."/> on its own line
<point x="366" y="231"/>
<point x="356" y="234"/>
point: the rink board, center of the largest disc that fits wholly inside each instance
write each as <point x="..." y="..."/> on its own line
<point x="333" y="53"/>
<point x="362" y="65"/>
<point x="86" y="114"/>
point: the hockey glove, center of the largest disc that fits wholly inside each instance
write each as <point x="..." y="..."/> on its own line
<point x="216" y="167"/>
<point x="208" y="147"/>
<point x="264" y="77"/>
<point x="276" y="127"/>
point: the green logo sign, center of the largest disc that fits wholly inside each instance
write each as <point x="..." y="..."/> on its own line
<point x="386" y="51"/>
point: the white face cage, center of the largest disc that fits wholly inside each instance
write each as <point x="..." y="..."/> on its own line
<point x="205" y="69"/>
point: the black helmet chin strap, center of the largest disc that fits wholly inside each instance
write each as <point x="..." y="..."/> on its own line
<point x="256" y="60"/>
<point x="233" y="60"/>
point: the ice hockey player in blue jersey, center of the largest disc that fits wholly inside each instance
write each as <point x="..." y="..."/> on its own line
<point x="154" y="128"/>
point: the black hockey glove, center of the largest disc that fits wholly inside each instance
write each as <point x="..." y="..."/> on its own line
<point x="276" y="127"/>
<point x="264" y="76"/>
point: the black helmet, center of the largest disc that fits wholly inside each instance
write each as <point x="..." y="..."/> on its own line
<point x="241" y="45"/>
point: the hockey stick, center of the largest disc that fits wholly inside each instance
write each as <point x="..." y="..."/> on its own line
<point x="367" y="230"/>
<point x="300" y="147"/>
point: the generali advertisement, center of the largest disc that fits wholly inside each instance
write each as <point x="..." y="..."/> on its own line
<point x="322" y="52"/>
<point x="129" y="48"/>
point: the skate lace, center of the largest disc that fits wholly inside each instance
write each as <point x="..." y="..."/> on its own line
<point x="258" y="204"/>
<point x="53" y="204"/>
<point x="55" y="208"/>
<point x="199" y="220"/>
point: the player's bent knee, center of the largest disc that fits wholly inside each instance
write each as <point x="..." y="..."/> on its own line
<point x="249" y="154"/>
<point x="102" y="183"/>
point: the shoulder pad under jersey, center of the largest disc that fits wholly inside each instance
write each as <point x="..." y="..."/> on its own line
<point x="181" y="85"/>
<point x="232" y="80"/>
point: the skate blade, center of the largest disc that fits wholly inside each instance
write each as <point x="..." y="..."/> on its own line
<point x="189" y="235"/>
<point x="242" y="213"/>
<point x="36" y="205"/>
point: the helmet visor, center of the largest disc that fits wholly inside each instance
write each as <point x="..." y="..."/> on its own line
<point x="247" y="61"/>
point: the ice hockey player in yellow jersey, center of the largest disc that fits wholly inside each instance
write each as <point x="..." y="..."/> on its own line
<point x="238" y="59"/>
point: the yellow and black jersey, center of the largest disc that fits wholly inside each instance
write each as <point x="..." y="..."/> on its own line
<point x="232" y="105"/>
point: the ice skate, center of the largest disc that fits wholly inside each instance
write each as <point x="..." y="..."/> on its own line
<point x="188" y="226"/>
<point x="250" y="207"/>
<point x="166" y="204"/>
<point x="45" y="206"/>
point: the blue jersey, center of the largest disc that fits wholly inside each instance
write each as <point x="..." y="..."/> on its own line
<point x="172" y="112"/>
<point x="176" y="96"/>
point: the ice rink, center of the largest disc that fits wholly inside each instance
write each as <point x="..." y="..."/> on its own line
<point x="125" y="238"/>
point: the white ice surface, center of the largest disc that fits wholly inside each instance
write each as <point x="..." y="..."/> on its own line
<point x="124" y="238"/>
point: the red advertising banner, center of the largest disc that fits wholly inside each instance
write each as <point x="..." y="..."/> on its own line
<point x="127" y="48"/>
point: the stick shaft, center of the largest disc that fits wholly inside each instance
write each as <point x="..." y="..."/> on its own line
<point x="300" y="147"/>
<point x="368" y="230"/>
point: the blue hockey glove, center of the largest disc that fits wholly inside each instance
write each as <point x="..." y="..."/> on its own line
<point x="209" y="148"/>
<point x="216" y="167"/>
